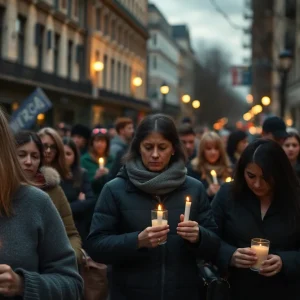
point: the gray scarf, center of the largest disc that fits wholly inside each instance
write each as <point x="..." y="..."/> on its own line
<point x="155" y="183"/>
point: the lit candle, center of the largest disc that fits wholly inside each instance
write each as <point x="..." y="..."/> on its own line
<point x="261" y="248"/>
<point x="187" y="210"/>
<point x="101" y="163"/>
<point x="228" y="179"/>
<point x="214" y="176"/>
<point x="159" y="215"/>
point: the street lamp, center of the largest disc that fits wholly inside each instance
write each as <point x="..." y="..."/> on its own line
<point x="98" y="66"/>
<point x="186" y="98"/>
<point x="137" y="81"/>
<point x="265" y="101"/>
<point x="285" y="64"/>
<point x="196" y="104"/>
<point x="164" y="89"/>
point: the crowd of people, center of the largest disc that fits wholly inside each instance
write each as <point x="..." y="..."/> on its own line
<point x="65" y="190"/>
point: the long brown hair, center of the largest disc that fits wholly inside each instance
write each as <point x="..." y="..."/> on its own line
<point x="59" y="162"/>
<point x="11" y="173"/>
<point x="199" y="163"/>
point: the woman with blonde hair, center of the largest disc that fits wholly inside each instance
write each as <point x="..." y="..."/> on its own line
<point x="211" y="158"/>
<point x="37" y="260"/>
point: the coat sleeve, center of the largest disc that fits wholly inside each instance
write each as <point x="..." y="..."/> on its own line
<point x="219" y="207"/>
<point x="209" y="242"/>
<point x="105" y="244"/>
<point x="67" y="218"/>
<point x="80" y="207"/>
<point x="58" y="276"/>
<point x="290" y="263"/>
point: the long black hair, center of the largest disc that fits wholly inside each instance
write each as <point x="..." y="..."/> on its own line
<point x="161" y="124"/>
<point x="25" y="137"/>
<point x="277" y="171"/>
<point x="75" y="167"/>
<point x="233" y="140"/>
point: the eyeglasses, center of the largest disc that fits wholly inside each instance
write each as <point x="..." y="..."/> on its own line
<point x="50" y="147"/>
<point x="99" y="130"/>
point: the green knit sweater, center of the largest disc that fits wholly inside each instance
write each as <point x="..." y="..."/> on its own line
<point x="35" y="245"/>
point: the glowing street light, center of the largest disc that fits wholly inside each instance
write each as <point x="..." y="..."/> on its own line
<point x="265" y="101"/>
<point x="196" y="104"/>
<point x="247" y="116"/>
<point x="137" y="81"/>
<point x="98" y="66"/>
<point x="186" y="98"/>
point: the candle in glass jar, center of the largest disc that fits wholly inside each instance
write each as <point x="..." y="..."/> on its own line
<point x="101" y="163"/>
<point x="187" y="210"/>
<point x="261" y="248"/>
<point x="159" y="217"/>
<point x="214" y="176"/>
<point x="228" y="179"/>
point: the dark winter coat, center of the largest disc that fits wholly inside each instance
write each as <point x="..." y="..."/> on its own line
<point x="166" y="272"/>
<point x="238" y="222"/>
<point x="82" y="210"/>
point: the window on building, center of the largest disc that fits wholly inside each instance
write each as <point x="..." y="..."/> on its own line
<point x="56" y="4"/>
<point x="70" y="58"/>
<point x="98" y="18"/>
<point x="39" y="42"/>
<point x="154" y="62"/>
<point x="113" y="29"/>
<point x="64" y="4"/>
<point x="112" y="74"/>
<point x="70" y="8"/>
<point x="56" y="52"/>
<point x="129" y="79"/>
<point x="20" y="29"/>
<point x="120" y="40"/>
<point x="81" y="12"/>
<point x="80" y="60"/>
<point x="119" y="74"/>
<point x="76" y="7"/>
<point x="124" y="79"/>
<point x="154" y="38"/>
<point x="1" y="28"/>
<point x="105" y="62"/>
<point x="106" y="25"/>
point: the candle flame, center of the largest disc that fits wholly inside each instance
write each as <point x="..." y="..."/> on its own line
<point x="101" y="160"/>
<point x="213" y="173"/>
<point x="159" y="207"/>
<point x="228" y="179"/>
<point x="187" y="199"/>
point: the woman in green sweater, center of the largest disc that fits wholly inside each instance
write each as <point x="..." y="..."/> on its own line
<point x="37" y="260"/>
<point x="98" y="150"/>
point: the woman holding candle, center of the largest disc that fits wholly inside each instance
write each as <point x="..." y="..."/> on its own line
<point x="37" y="260"/>
<point x="258" y="218"/>
<point x="97" y="160"/>
<point x="153" y="262"/>
<point x="211" y="166"/>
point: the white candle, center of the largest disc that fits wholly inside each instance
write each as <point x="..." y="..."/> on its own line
<point x="101" y="163"/>
<point x="214" y="176"/>
<point x="261" y="253"/>
<point x="156" y="223"/>
<point x="187" y="210"/>
<point x="159" y="215"/>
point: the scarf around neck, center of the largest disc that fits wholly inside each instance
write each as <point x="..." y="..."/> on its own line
<point x="156" y="183"/>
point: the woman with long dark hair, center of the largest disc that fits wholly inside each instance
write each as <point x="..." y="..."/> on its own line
<point x="291" y="147"/>
<point x="236" y="144"/>
<point x="37" y="260"/>
<point x="262" y="202"/>
<point x="78" y="189"/>
<point x="30" y="153"/>
<point x="153" y="262"/>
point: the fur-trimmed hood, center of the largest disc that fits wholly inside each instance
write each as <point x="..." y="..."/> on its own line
<point x="48" y="178"/>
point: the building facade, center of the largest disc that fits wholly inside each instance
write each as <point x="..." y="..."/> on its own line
<point x="118" y="41"/>
<point x="53" y="44"/>
<point x="163" y="63"/>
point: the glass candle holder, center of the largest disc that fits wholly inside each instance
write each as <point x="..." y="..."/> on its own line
<point x="261" y="248"/>
<point x="159" y="218"/>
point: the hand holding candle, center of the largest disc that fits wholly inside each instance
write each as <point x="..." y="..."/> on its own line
<point x="188" y="230"/>
<point x="214" y="176"/>
<point x="261" y="248"/>
<point x="101" y="163"/>
<point x="228" y="179"/>
<point x="187" y="210"/>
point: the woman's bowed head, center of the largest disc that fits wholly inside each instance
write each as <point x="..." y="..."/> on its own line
<point x="156" y="148"/>
<point x="265" y="172"/>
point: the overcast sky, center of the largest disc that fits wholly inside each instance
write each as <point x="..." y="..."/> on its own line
<point x="208" y="25"/>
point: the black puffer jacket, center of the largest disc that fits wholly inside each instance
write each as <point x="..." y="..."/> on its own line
<point x="166" y="272"/>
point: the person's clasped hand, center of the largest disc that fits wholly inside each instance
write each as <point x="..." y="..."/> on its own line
<point x="152" y="237"/>
<point x="243" y="258"/>
<point x="188" y="230"/>
<point x="11" y="283"/>
<point x="101" y="172"/>
<point x="213" y="189"/>
<point x="271" y="266"/>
